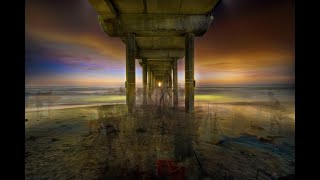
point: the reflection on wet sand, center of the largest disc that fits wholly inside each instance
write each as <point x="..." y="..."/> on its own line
<point x="235" y="141"/>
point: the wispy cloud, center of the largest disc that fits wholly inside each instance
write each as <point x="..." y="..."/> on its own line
<point x="249" y="42"/>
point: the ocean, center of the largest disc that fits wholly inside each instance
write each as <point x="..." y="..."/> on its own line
<point x="59" y="97"/>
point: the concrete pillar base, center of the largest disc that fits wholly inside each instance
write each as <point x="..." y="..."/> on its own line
<point x="189" y="72"/>
<point x="175" y="83"/>
<point x="130" y="72"/>
<point x="144" y="80"/>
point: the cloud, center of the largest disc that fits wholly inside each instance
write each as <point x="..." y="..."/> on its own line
<point x="248" y="42"/>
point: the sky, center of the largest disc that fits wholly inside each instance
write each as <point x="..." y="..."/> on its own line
<point x="249" y="42"/>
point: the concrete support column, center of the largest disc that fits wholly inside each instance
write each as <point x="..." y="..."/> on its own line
<point x="130" y="72"/>
<point x="170" y="81"/>
<point x="153" y="82"/>
<point x="170" y="78"/>
<point x="170" y="85"/>
<point x="144" y="80"/>
<point x="149" y="83"/>
<point x="189" y="72"/>
<point x="175" y="83"/>
<point x="166" y="80"/>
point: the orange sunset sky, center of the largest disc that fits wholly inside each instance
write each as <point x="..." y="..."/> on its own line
<point x="249" y="42"/>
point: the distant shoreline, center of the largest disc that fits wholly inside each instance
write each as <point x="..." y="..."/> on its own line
<point x="33" y="109"/>
<point x="199" y="103"/>
<point x="179" y="84"/>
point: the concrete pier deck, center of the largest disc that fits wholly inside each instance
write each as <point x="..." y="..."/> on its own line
<point x="158" y="33"/>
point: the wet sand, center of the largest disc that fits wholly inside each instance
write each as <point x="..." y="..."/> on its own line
<point x="234" y="140"/>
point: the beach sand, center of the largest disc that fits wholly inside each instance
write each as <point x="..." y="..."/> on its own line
<point x="238" y="140"/>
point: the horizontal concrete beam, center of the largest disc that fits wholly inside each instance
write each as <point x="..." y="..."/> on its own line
<point x="149" y="25"/>
<point x="159" y="74"/>
<point x="159" y="67"/>
<point x="160" y="71"/>
<point x="162" y="68"/>
<point x="159" y="6"/>
<point x="160" y="53"/>
<point x="163" y="65"/>
<point x="158" y="60"/>
<point x="160" y="42"/>
<point x="166" y="63"/>
<point x="104" y="8"/>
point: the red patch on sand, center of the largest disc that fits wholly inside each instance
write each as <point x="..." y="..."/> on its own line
<point x="170" y="169"/>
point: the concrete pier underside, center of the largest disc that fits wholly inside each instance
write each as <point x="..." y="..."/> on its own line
<point x="159" y="33"/>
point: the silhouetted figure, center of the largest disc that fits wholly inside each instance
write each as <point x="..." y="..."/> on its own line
<point x="274" y="101"/>
<point x="275" y="115"/>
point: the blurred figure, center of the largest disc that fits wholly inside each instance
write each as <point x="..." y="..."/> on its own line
<point x="275" y="114"/>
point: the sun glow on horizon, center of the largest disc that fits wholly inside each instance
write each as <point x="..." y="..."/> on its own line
<point x="62" y="50"/>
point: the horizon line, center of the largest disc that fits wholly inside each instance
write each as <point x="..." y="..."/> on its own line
<point x="179" y="84"/>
